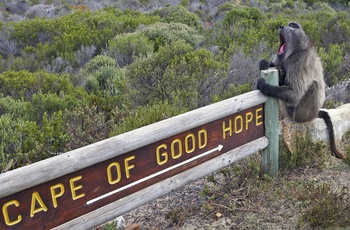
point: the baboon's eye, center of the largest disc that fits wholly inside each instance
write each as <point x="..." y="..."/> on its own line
<point x="294" y="25"/>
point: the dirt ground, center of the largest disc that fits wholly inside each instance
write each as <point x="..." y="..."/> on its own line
<point x="248" y="201"/>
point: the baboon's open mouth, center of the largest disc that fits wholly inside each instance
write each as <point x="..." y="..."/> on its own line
<point x="282" y="45"/>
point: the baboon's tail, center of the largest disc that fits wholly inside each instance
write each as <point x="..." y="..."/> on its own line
<point x="325" y="116"/>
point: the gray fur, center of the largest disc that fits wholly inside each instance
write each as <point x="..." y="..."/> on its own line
<point x="302" y="87"/>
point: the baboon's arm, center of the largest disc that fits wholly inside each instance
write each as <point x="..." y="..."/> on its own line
<point x="283" y="92"/>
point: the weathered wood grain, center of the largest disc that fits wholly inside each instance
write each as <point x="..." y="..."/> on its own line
<point x="270" y="154"/>
<point x="152" y="192"/>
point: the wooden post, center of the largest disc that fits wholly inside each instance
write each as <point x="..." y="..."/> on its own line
<point x="270" y="154"/>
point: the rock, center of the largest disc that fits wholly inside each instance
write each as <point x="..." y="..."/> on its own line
<point x="317" y="128"/>
<point x="120" y="223"/>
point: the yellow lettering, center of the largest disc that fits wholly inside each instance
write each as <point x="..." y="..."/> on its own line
<point x="164" y="154"/>
<point x="36" y="198"/>
<point x="173" y="152"/>
<point x="240" y="124"/>
<point x="187" y="143"/>
<point x="127" y="166"/>
<point x="202" y="138"/>
<point x="258" y="116"/>
<point x="248" y="118"/>
<point x="6" y="214"/>
<point x="74" y="188"/>
<point x="225" y="129"/>
<point x="109" y="173"/>
<point x="55" y="195"/>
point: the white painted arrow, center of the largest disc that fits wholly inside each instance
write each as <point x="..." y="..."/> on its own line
<point x="154" y="175"/>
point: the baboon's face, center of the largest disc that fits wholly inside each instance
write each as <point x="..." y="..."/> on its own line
<point x="292" y="38"/>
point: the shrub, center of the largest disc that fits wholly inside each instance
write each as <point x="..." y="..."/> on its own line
<point x="17" y="108"/>
<point x="165" y="33"/>
<point x="248" y="17"/>
<point x="84" y="55"/>
<point x="126" y="47"/>
<point x="25" y="142"/>
<point x="331" y="62"/>
<point x="25" y="84"/>
<point x="40" y="10"/>
<point x="231" y="90"/>
<point x="103" y="73"/>
<point x="86" y="125"/>
<point x="99" y="61"/>
<point x="59" y="66"/>
<point x="306" y="152"/>
<point x="7" y="47"/>
<point x="10" y="138"/>
<point x="40" y="142"/>
<point x="192" y="78"/>
<point x="243" y="27"/>
<point x="180" y="14"/>
<point x="50" y="103"/>
<point x="146" y="115"/>
<point x="176" y="73"/>
<point x="146" y="76"/>
<point x="69" y="33"/>
<point x="328" y="207"/>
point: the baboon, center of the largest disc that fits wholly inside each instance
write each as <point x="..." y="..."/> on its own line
<point x="301" y="87"/>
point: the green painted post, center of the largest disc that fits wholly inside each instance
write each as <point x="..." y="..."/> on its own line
<point x="270" y="154"/>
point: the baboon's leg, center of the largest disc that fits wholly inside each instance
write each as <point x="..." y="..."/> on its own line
<point x="308" y="106"/>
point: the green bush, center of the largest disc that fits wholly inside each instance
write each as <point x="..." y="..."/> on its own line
<point x="192" y="78"/>
<point x="64" y="35"/>
<point x="10" y="139"/>
<point x="86" y="125"/>
<point x="126" y="47"/>
<point x="331" y="62"/>
<point x="165" y="33"/>
<point x="99" y="61"/>
<point x="50" y="103"/>
<point x="327" y="207"/>
<point x="242" y="26"/>
<point x="232" y="91"/>
<point x="146" y="75"/>
<point x="177" y="74"/>
<point x="247" y="17"/>
<point x="103" y="74"/>
<point x="146" y="115"/>
<point x="25" y="142"/>
<point x="24" y="84"/>
<point x="16" y="108"/>
<point x="179" y="14"/>
<point x="40" y="142"/>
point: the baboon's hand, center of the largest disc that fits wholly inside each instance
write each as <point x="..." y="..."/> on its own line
<point x="261" y="84"/>
<point x="264" y="65"/>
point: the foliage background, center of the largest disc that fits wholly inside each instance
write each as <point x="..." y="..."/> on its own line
<point x="76" y="72"/>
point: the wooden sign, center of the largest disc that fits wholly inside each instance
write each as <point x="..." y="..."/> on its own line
<point x="64" y="188"/>
<point x="62" y="199"/>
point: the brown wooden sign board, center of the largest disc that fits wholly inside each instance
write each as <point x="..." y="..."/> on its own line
<point x="67" y="197"/>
